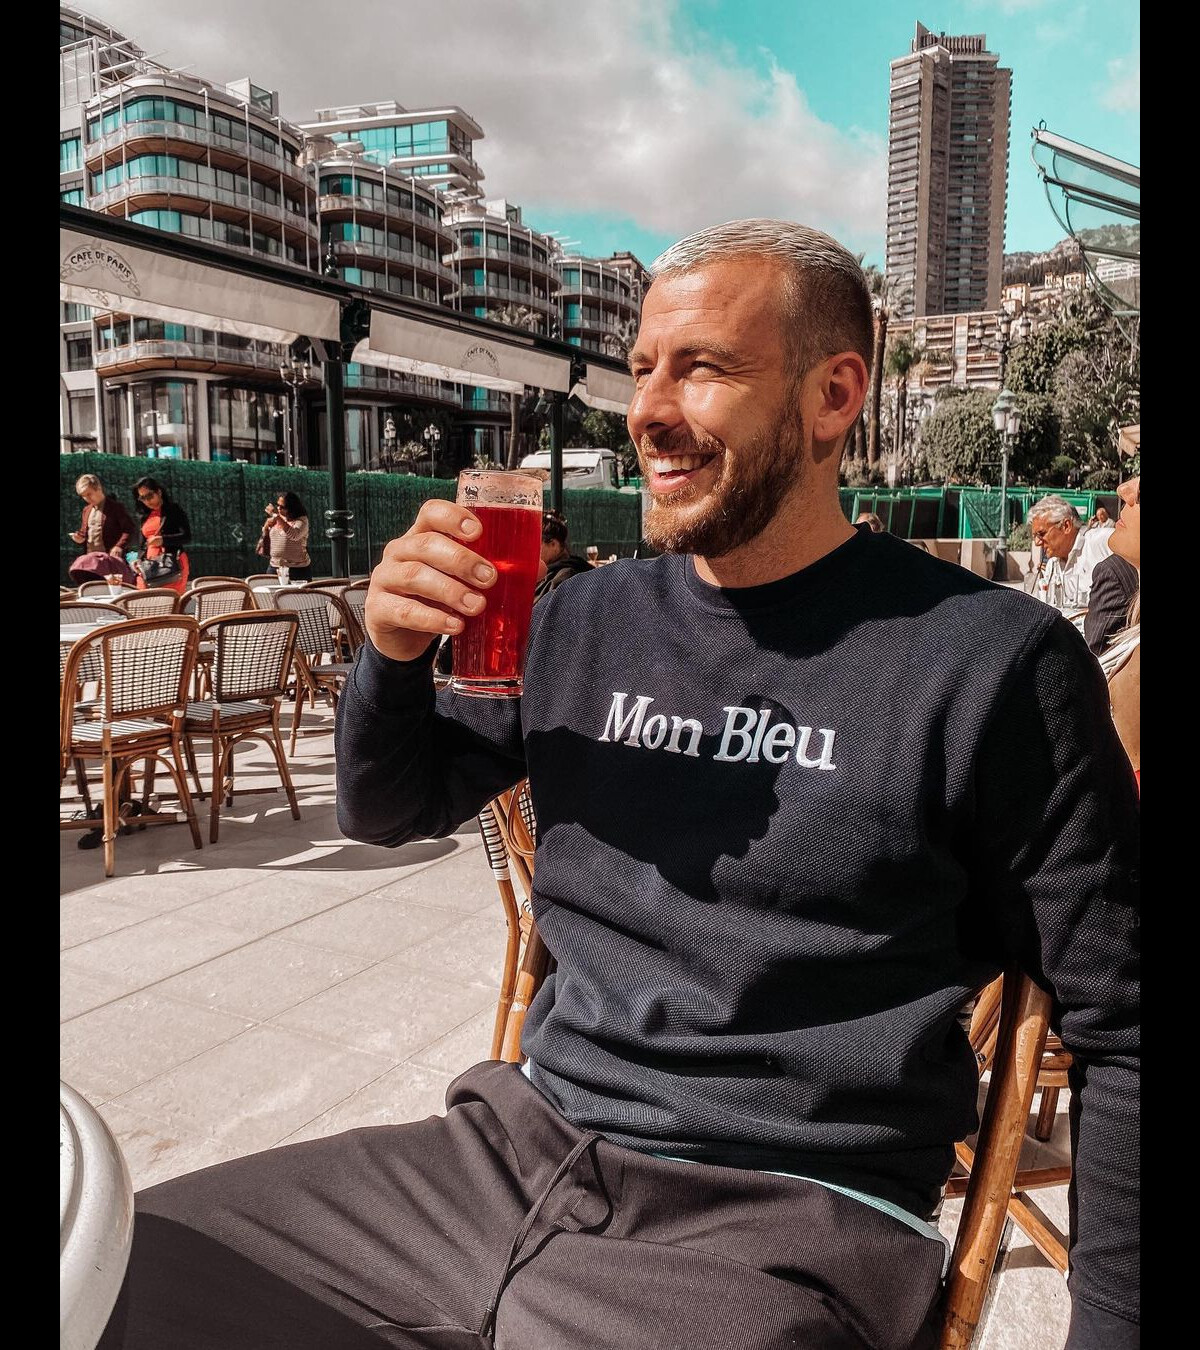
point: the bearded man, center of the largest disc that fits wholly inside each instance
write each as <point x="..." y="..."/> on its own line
<point x="800" y="792"/>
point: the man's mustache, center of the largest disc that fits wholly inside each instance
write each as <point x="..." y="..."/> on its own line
<point x="680" y="442"/>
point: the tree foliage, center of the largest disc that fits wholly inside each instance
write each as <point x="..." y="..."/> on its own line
<point x="959" y="444"/>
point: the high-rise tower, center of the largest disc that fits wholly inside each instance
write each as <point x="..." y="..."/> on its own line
<point x="947" y="175"/>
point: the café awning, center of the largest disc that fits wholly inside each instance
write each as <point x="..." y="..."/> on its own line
<point x="157" y="284"/>
<point x="604" y="390"/>
<point x="462" y="355"/>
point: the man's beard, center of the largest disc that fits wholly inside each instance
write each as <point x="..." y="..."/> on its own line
<point x="754" y="480"/>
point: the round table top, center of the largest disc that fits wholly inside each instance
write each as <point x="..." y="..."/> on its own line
<point x="72" y="632"/>
<point x="95" y="1215"/>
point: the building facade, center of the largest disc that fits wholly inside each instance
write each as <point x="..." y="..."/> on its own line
<point x="948" y="133"/>
<point x="600" y="301"/>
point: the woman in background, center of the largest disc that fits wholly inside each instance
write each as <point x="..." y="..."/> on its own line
<point x="165" y="529"/>
<point x="286" y="534"/>
<point x="1121" y="660"/>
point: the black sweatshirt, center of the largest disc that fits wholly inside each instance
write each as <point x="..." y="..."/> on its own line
<point x="784" y="833"/>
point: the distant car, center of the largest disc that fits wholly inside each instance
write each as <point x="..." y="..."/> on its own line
<point x="591" y="467"/>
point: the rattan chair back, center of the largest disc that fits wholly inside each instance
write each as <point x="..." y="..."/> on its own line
<point x="260" y="576"/>
<point x="146" y="604"/>
<point x="101" y="587"/>
<point x="319" y="613"/>
<point x="207" y="602"/>
<point x="354" y="600"/>
<point x="253" y="658"/>
<point x="87" y="611"/>
<point x="143" y="667"/>
<point x="196" y="582"/>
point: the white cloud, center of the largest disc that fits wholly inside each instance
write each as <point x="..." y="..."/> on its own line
<point x="1124" y="90"/>
<point x="609" y="108"/>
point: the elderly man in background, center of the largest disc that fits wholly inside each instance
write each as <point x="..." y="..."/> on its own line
<point x="1069" y="554"/>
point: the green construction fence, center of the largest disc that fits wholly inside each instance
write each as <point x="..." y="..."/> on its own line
<point x="224" y="503"/>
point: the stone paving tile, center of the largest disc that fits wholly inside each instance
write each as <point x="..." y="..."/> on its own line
<point x="455" y="884"/>
<point x="408" y="1092"/>
<point x="264" y="978"/>
<point x="471" y="951"/>
<point x="80" y="990"/>
<point x="157" y="947"/>
<point x="386" y="1011"/>
<point x="83" y="917"/>
<point x="106" y="1052"/>
<point x="370" y="927"/>
<point x="459" y="1049"/>
<point x="270" y="903"/>
<point x="156" y="1152"/>
<point x="171" y="887"/>
<point x="254" y="1090"/>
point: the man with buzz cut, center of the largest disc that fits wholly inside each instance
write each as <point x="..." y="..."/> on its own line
<point x="801" y="790"/>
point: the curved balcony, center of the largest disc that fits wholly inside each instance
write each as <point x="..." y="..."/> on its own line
<point x="515" y="261"/>
<point x="196" y="355"/>
<point x="203" y="194"/>
<point x="339" y="205"/>
<point x="571" y="289"/>
<point x="504" y="295"/>
<point x="161" y="130"/>
<point x="395" y="385"/>
<point x="485" y="401"/>
<point x="381" y="253"/>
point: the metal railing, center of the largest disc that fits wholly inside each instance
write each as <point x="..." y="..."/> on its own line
<point x="166" y="349"/>
<point x="181" y="131"/>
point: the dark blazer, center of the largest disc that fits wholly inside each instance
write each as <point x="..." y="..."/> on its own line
<point x="176" y="530"/>
<point x="1114" y="583"/>
<point x="119" y="528"/>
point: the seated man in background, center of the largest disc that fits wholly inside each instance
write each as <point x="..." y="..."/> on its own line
<point x="1064" y="574"/>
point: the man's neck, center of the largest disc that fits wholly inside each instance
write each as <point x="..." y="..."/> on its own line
<point x="805" y="528"/>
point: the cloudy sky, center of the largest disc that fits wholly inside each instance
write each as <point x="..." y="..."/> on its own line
<point x="629" y="123"/>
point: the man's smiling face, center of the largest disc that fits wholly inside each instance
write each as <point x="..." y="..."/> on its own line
<point x="716" y="415"/>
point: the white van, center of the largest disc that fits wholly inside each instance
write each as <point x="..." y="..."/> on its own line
<point x="591" y="467"/>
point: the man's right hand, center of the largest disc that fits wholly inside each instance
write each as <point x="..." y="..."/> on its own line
<point x="427" y="581"/>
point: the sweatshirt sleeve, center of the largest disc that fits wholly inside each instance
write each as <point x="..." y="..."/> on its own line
<point x="1057" y="817"/>
<point x="412" y="766"/>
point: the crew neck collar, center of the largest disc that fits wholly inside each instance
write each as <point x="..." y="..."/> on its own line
<point x="784" y="590"/>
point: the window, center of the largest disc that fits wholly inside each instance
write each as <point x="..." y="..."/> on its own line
<point x="79" y="351"/>
<point x="70" y="155"/>
<point x="82" y="411"/>
<point x="72" y="198"/>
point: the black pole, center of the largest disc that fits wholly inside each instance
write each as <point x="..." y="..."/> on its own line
<point x="557" y="404"/>
<point x="337" y="518"/>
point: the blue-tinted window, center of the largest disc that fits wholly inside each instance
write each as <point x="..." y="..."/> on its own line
<point x="70" y="155"/>
<point x="72" y="198"/>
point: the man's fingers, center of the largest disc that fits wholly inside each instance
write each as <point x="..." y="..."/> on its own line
<point x="436" y="551"/>
<point x="409" y="614"/>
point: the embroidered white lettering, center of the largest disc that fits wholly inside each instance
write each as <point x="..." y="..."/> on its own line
<point x="825" y="759"/>
<point x="731" y="730"/>
<point x="654" y="732"/>
<point x="618" y="723"/>
<point x="778" y="743"/>
<point x="695" y="731"/>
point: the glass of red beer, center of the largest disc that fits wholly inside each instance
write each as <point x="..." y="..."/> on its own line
<point x="489" y="653"/>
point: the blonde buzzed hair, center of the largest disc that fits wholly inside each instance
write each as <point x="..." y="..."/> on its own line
<point x="826" y="305"/>
<point x="87" y="480"/>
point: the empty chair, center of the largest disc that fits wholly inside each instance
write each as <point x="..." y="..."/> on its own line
<point x="252" y="659"/>
<point x="205" y="602"/>
<point x="214" y="581"/>
<point x="103" y="588"/>
<point x="145" y="666"/>
<point x="87" y="611"/>
<point x="318" y="670"/>
<point x="144" y="604"/>
<point x="354" y="598"/>
<point x="261" y="577"/>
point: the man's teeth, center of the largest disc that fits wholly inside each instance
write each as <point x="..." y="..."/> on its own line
<point x="678" y="463"/>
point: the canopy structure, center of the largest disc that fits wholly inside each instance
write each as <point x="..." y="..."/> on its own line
<point x="1129" y="440"/>
<point x="603" y="389"/>
<point x="1097" y="200"/>
<point x="461" y="354"/>
<point x="152" y="283"/>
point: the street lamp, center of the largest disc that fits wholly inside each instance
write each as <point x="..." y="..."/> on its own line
<point x="294" y="374"/>
<point x="432" y="437"/>
<point x="1008" y="333"/>
<point x="1006" y="418"/>
<point x="389" y="442"/>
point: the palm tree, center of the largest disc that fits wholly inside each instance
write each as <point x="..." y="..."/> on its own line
<point x="903" y="354"/>
<point x="516" y="316"/>
<point x="886" y="295"/>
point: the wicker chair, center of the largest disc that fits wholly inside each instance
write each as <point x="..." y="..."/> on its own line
<point x="197" y="582"/>
<point x="88" y="611"/>
<point x="146" y="604"/>
<point x="354" y="598"/>
<point x="253" y="653"/>
<point x="207" y="599"/>
<point x="1015" y="1011"/>
<point x="103" y="588"/>
<point x="145" y="667"/>
<point x="320" y="614"/>
<point x="260" y="576"/>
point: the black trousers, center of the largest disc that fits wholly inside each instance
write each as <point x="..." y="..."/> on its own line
<point x="501" y="1224"/>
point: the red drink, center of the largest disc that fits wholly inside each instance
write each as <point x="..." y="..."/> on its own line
<point x="489" y="654"/>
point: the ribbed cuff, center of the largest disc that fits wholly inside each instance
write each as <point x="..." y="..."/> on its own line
<point x="1094" y="1328"/>
<point x="392" y="686"/>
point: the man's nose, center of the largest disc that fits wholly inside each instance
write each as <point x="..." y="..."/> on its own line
<point x="655" y="405"/>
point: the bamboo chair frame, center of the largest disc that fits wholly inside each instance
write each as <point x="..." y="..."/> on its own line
<point x="314" y="678"/>
<point x="239" y="679"/>
<point x="89" y="588"/>
<point x="130" y="730"/>
<point x="154" y="602"/>
<point x="1009" y="1030"/>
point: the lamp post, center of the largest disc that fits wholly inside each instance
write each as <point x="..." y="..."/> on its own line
<point x="389" y="443"/>
<point x="1008" y="333"/>
<point x="1006" y="418"/>
<point x="294" y="374"/>
<point x="432" y="437"/>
